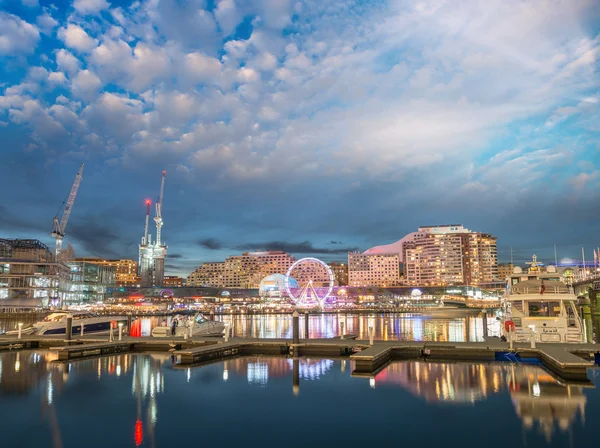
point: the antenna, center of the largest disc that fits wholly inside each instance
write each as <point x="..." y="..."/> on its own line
<point x="511" y="257"/>
<point x="555" y="257"/>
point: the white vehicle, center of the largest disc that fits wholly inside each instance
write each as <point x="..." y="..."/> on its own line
<point x="201" y="326"/>
<point x="539" y="304"/>
<point x="56" y="324"/>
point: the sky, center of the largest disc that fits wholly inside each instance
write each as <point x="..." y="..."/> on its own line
<point x="314" y="127"/>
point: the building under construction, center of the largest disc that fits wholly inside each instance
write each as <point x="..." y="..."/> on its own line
<point x="31" y="275"/>
<point x="152" y="255"/>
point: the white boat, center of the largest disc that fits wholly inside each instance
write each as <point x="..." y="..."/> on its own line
<point x="56" y="324"/>
<point x="201" y="326"/>
<point x="539" y="304"/>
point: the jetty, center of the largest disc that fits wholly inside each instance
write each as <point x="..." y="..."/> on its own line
<point x="568" y="361"/>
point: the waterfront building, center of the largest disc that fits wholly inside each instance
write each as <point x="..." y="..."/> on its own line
<point x="30" y="274"/>
<point x="126" y="270"/>
<point x="241" y="271"/>
<point x="445" y="255"/>
<point x="505" y="270"/>
<point x="380" y="270"/>
<point x="173" y="281"/>
<point x="90" y="281"/>
<point x="340" y="273"/>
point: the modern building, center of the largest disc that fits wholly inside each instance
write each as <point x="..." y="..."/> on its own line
<point x="340" y="273"/>
<point x="445" y="255"/>
<point x="90" y="281"/>
<point x="380" y="270"/>
<point x="126" y="270"/>
<point x="241" y="271"/>
<point x="30" y="275"/>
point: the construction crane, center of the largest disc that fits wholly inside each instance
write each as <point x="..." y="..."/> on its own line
<point x="158" y="219"/>
<point x="58" y="228"/>
<point x="145" y="237"/>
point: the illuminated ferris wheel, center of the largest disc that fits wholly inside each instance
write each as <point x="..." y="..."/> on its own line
<point x="314" y="282"/>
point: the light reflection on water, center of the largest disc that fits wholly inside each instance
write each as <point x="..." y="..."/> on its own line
<point x="143" y="400"/>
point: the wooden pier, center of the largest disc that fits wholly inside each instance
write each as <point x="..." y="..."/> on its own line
<point x="569" y="361"/>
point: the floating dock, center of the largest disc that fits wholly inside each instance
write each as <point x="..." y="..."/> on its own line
<point x="569" y="361"/>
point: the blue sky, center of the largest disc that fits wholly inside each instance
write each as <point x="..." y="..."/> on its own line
<point x="310" y="126"/>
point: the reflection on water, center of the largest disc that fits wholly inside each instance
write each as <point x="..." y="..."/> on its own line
<point x="144" y="398"/>
<point x="451" y="325"/>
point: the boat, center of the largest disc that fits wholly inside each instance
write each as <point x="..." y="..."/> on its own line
<point x="539" y="305"/>
<point x="201" y="326"/>
<point x="56" y="324"/>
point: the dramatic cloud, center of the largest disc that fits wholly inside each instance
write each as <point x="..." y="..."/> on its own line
<point x="298" y="121"/>
<point x="210" y="243"/>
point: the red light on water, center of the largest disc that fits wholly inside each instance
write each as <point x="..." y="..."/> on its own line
<point x="139" y="433"/>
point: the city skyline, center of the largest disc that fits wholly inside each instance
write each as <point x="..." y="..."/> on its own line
<point x="301" y="127"/>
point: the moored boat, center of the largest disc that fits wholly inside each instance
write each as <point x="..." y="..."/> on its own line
<point x="539" y="305"/>
<point x="56" y="324"/>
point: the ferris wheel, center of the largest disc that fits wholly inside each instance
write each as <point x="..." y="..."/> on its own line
<point x="314" y="281"/>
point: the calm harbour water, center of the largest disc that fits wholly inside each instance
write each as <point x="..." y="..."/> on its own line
<point x="142" y="400"/>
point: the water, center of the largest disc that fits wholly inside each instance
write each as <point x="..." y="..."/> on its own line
<point x="142" y="400"/>
<point x="447" y="325"/>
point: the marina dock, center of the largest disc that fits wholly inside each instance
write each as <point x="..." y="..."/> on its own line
<point x="569" y="361"/>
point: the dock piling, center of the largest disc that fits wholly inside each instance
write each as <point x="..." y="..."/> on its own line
<point x="81" y="331"/>
<point x="20" y="330"/>
<point x="342" y="330"/>
<point x="69" y="329"/>
<point x="227" y="326"/>
<point x="306" y="325"/>
<point x="129" y="324"/>
<point x="485" y="323"/>
<point x="371" y="335"/>
<point x="120" y="330"/>
<point x="295" y="327"/>
<point x="111" y="337"/>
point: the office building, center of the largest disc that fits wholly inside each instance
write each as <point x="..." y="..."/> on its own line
<point x="30" y="275"/>
<point x="90" y="281"/>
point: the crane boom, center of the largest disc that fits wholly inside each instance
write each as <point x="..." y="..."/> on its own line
<point x="158" y="218"/>
<point x="145" y="238"/>
<point x="58" y="228"/>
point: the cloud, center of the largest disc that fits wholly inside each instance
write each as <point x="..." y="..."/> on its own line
<point x="90" y="6"/>
<point x="46" y="23"/>
<point x="16" y="35"/>
<point x="210" y="243"/>
<point x="75" y="37"/>
<point x="85" y="84"/>
<point x="96" y="238"/>
<point x="175" y="256"/>
<point x="304" y="247"/>
<point x="67" y="62"/>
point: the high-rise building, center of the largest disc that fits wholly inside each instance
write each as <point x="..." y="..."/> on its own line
<point x="30" y="275"/>
<point x="449" y="255"/>
<point x="340" y="273"/>
<point x="445" y="255"/>
<point x="381" y="270"/>
<point x="241" y="271"/>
